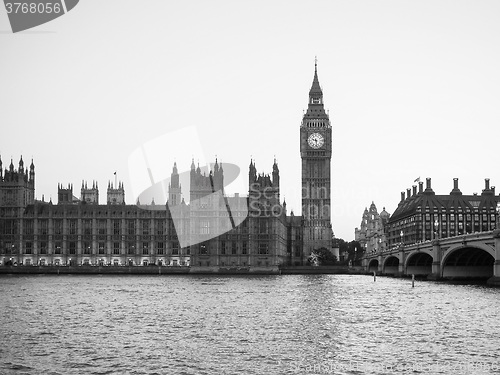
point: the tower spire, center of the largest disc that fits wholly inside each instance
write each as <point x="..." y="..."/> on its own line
<point x="316" y="91"/>
<point x="315" y="110"/>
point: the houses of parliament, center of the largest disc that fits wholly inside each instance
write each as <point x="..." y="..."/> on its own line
<point x="213" y="230"/>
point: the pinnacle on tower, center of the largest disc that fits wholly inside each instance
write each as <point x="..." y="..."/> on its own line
<point x="315" y="88"/>
<point x="315" y="110"/>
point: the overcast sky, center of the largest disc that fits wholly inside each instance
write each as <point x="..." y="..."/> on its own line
<point x="413" y="90"/>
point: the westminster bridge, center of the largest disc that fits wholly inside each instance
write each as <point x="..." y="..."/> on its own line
<point x="475" y="255"/>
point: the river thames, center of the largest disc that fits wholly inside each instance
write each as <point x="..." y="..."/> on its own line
<point x="294" y="324"/>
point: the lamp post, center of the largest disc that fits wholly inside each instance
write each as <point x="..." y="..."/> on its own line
<point x="401" y="235"/>
<point x="436" y="229"/>
<point x="13" y="251"/>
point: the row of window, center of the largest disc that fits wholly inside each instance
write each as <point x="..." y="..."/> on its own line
<point x="231" y="248"/>
<point x="101" y="262"/>
<point x="227" y="248"/>
<point x="444" y="218"/>
<point x="145" y="227"/>
<point x="415" y="233"/>
<point x="84" y="213"/>
<point x="87" y="248"/>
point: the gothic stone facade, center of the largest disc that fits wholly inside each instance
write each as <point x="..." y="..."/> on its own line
<point x="213" y="230"/>
<point x="82" y="232"/>
<point x="371" y="234"/>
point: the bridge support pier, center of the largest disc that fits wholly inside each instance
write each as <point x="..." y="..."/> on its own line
<point x="401" y="265"/>
<point x="437" y="272"/>
<point x="495" y="280"/>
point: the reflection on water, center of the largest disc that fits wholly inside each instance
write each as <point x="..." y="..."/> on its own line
<point x="295" y="324"/>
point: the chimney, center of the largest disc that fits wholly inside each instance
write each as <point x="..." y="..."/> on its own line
<point x="456" y="190"/>
<point x="428" y="188"/>
<point x="408" y="193"/>
<point x="420" y="187"/>
<point x="402" y="196"/>
<point x="487" y="189"/>
<point x="414" y="190"/>
<point x="493" y="190"/>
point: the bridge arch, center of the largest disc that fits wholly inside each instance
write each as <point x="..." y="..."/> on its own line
<point x="373" y="265"/>
<point x="419" y="263"/>
<point x="391" y="265"/>
<point x="468" y="261"/>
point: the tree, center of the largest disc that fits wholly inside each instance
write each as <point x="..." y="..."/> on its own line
<point x="322" y="257"/>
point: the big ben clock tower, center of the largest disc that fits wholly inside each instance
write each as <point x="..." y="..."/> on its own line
<point x="316" y="154"/>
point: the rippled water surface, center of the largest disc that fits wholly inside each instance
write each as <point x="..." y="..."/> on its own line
<point x="311" y="324"/>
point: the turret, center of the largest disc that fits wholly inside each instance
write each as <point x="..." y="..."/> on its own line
<point x="32" y="171"/>
<point x="90" y="196"/>
<point x="252" y="173"/>
<point x="218" y="177"/>
<point x="21" y="165"/>
<point x="64" y="195"/>
<point x="276" y="174"/>
<point x="174" y="177"/>
<point x="16" y="190"/>
<point x="115" y="194"/>
<point x="174" y="188"/>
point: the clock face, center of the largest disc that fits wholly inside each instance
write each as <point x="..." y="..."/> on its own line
<point x="315" y="140"/>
